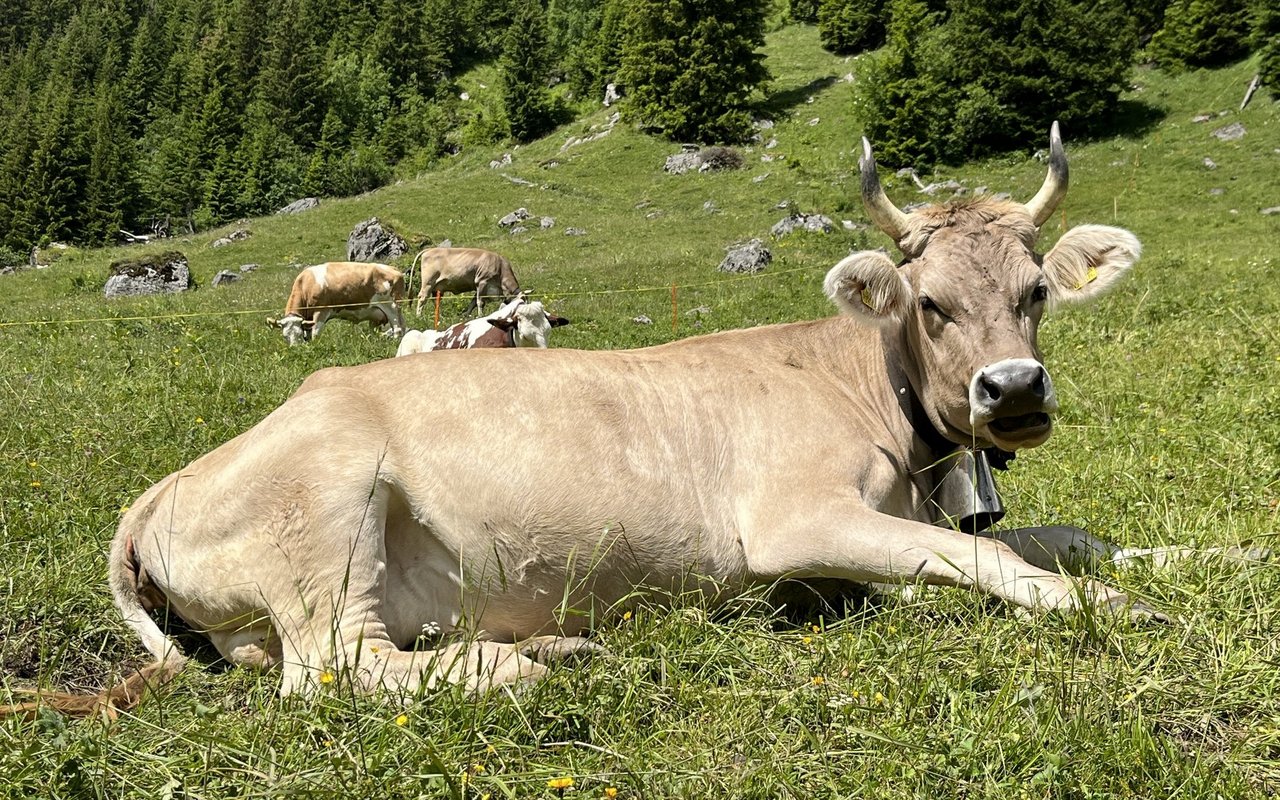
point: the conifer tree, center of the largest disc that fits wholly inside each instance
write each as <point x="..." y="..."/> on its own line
<point x="524" y="67"/>
<point x="692" y="67"/>
<point x="1201" y="33"/>
<point x="851" y="26"/>
<point x="109" y="181"/>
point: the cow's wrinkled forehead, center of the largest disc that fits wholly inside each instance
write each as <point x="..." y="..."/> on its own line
<point x="999" y="223"/>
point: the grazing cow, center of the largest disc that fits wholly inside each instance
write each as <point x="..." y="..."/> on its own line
<point x="465" y="269"/>
<point x="349" y="290"/>
<point x="517" y="324"/>
<point x="729" y="459"/>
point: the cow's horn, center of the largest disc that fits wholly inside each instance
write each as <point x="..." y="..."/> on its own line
<point x="886" y="216"/>
<point x="1046" y="200"/>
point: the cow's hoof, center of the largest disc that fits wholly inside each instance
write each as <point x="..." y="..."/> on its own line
<point x="1138" y="611"/>
<point x="555" y="649"/>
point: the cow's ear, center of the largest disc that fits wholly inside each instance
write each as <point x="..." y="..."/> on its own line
<point x="868" y="285"/>
<point x="556" y="322"/>
<point x="502" y="323"/>
<point x="1088" y="260"/>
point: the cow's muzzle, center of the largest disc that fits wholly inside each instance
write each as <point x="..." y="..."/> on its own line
<point x="1013" y="402"/>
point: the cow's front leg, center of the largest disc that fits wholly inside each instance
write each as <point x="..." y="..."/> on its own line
<point x="843" y="539"/>
<point x="318" y="321"/>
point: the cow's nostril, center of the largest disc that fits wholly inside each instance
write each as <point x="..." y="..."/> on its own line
<point x="1037" y="386"/>
<point x="990" y="388"/>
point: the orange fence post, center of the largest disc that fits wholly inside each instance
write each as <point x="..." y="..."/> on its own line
<point x="673" y="308"/>
<point x="438" y="293"/>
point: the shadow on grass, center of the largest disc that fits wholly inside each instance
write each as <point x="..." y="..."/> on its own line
<point x="787" y="99"/>
<point x="1133" y="119"/>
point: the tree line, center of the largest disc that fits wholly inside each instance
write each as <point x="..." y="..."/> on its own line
<point x="182" y="114"/>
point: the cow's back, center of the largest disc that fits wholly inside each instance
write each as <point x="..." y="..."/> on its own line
<point x="342" y="284"/>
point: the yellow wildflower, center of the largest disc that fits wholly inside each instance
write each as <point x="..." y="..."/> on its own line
<point x="477" y="768"/>
<point x="124" y="509"/>
<point x="816" y="629"/>
<point x="36" y="484"/>
<point x="199" y="420"/>
<point x="33" y="464"/>
<point x="879" y="698"/>
<point x="560" y="783"/>
<point x="626" y="616"/>
<point x="402" y="720"/>
<point x="818" y="680"/>
<point x="326" y="677"/>
<point x="611" y="792"/>
<point x="466" y="777"/>
<point x="806" y="640"/>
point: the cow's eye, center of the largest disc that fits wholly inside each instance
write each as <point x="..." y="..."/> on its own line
<point x="1039" y="294"/>
<point x="927" y="305"/>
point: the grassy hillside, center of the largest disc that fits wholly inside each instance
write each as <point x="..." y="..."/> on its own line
<point x="1170" y="434"/>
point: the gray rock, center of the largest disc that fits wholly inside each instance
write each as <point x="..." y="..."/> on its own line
<point x="710" y="207"/>
<point x="700" y="311"/>
<point x="813" y="121"/>
<point x="814" y="223"/>
<point x="574" y="232"/>
<point x="1217" y="192"/>
<point x="445" y="243"/>
<point x="238" y="235"/>
<point x="1002" y="196"/>
<point x="612" y="94"/>
<point x="1230" y="133"/>
<point x="298" y="206"/>
<point x="761" y="178"/>
<point x="370" y="241"/>
<point x="518" y="181"/>
<point x="1208" y="164"/>
<point x="850" y="225"/>
<point x="952" y="186"/>
<point x="642" y="320"/>
<point x="749" y="257"/>
<point x="519" y="215"/>
<point x="161" y="273"/>
<point x="547" y="222"/>
<point x="505" y="161"/>
<point x="766" y="158"/>
<point x="518" y="230"/>
<point x="248" y="267"/>
<point x="772" y="143"/>
<point x="1202" y="118"/>
<point x="762" y="124"/>
<point x="1267" y="212"/>
<point x="225" y="276"/>
<point x="685" y="161"/>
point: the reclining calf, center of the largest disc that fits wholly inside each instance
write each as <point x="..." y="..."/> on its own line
<point x="519" y="323"/>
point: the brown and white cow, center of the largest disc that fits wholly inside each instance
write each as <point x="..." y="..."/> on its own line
<point x="350" y="290"/>
<point x="734" y="458"/>
<point x="466" y="269"/>
<point x="519" y="323"/>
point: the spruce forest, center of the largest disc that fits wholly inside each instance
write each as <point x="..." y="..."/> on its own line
<point x="169" y="116"/>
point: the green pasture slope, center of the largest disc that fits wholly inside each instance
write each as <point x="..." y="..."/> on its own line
<point x="1170" y="434"/>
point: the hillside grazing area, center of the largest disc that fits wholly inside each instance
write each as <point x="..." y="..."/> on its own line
<point x="1169" y="435"/>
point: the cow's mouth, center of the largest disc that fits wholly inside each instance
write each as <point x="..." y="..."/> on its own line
<point x="1021" y="426"/>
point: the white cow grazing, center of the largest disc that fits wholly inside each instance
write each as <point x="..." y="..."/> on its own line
<point x="519" y="323"/>
<point x="324" y="540"/>
<point x="350" y="290"/>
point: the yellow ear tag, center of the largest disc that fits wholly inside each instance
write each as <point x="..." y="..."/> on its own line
<point x="1090" y="277"/>
<point x="866" y="299"/>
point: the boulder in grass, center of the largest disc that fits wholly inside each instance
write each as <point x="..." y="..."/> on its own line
<point x="298" y="206"/>
<point x="372" y="241"/>
<point x="814" y="223"/>
<point x="749" y="257"/>
<point x="158" y="273"/>
<point x="514" y="218"/>
<point x="224" y="277"/>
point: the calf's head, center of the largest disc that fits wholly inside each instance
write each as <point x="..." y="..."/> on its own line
<point x="295" y="328"/>
<point x="966" y="300"/>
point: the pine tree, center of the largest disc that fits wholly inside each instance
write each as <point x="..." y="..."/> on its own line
<point x="1266" y="39"/>
<point x="1201" y="33"/>
<point x="398" y="43"/>
<point x="524" y="67"/>
<point x="51" y="193"/>
<point x="109" y="189"/>
<point x="851" y="26"/>
<point x="692" y="68"/>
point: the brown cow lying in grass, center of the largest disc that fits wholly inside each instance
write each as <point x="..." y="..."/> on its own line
<point x="739" y="458"/>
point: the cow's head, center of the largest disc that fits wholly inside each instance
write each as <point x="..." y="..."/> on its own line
<point x="529" y="323"/>
<point x="967" y="299"/>
<point x="295" y="328"/>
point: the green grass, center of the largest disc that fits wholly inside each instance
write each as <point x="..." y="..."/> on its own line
<point x="1170" y="434"/>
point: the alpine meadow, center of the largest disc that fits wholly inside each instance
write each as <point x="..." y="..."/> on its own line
<point x="1168" y="435"/>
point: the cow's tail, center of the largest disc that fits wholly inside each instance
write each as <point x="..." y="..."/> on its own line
<point x="413" y="266"/>
<point x="126" y="576"/>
